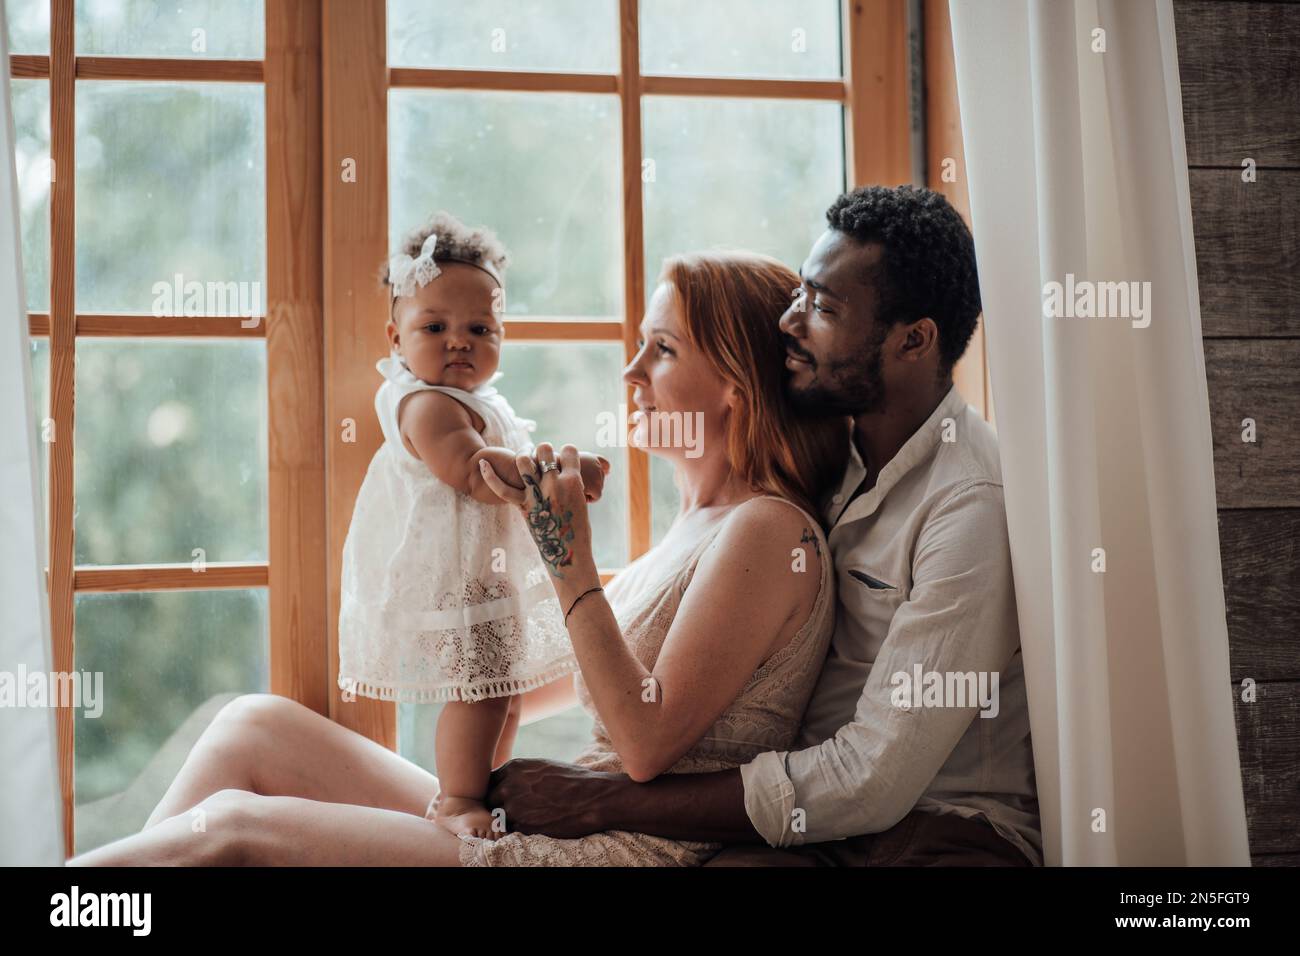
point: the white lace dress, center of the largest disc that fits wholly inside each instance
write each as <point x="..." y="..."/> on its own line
<point x="443" y="597"/>
<point x="765" y="715"/>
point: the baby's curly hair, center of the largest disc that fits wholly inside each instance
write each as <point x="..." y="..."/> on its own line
<point x="928" y="262"/>
<point x="455" y="241"/>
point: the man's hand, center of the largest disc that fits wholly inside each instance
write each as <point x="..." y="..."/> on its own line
<point x="546" y="796"/>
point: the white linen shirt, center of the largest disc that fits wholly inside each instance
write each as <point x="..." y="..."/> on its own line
<point x="923" y="573"/>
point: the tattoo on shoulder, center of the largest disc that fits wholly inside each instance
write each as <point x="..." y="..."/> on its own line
<point x="552" y="532"/>
<point x="810" y="538"/>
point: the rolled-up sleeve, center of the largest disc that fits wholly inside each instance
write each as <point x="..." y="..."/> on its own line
<point x="960" y="617"/>
<point x="769" y="797"/>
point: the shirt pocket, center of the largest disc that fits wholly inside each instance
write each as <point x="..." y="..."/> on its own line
<point x="878" y="594"/>
<point x="871" y="581"/>
<point x="870" y="599"/>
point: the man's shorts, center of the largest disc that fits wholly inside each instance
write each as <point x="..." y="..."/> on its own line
<point x="919" y="839"/>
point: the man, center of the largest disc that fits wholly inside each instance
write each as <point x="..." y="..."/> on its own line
<point x="915" y="746"/>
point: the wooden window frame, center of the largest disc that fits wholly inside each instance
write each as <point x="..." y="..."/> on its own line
<point x="326" y="83"/>
<point x="943" y="142"/>
<point x="295" y="570"/>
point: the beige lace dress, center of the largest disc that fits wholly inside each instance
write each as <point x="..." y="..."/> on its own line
<point x="765" y="716"/>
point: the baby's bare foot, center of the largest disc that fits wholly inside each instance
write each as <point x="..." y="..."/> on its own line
<point x="464" y="816"/>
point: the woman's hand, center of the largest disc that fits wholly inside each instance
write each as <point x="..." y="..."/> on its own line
<point x="555" y="507"/>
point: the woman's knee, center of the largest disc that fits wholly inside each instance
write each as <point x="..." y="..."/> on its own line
<point x="261" y="710"/>
<point x="223" y="827"/>
<point x="249" y="720"/>
<point x="242" y="733"/>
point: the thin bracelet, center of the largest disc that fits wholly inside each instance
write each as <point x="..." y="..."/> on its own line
<point x="576" y="600"/>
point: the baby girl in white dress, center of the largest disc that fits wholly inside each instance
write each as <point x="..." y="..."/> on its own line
<point x="444" y="595"/>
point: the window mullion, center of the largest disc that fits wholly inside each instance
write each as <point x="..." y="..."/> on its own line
<point x="295" y="357"/>
<point x="629" y="92"/>
<point x="62" y="326"/>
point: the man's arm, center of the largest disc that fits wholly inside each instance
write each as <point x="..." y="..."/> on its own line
<point x="960" y="618"/>
<point x="566" y="801"/>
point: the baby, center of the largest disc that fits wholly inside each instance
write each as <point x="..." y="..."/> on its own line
<point x="444" y="595"/>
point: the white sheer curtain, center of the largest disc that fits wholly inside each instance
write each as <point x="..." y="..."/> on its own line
<point x="31" y="827"/>
<point x="1077" y="166"/>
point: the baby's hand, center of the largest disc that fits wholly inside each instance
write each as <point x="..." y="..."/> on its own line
<point x="593" y="469"/>
<point x="500" y="460"/>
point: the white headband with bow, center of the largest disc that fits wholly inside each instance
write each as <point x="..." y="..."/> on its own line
<point x="406" y="274"/>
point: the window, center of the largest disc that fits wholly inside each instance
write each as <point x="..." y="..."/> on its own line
<point x="150" y="135"/>
<point x="205" y="318"/>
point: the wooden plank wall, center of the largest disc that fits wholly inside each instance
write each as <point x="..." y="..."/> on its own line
<point x="1241" y="100"/>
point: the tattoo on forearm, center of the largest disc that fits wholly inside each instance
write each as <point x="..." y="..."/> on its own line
<point x="810" y="538"/>
<point x="552" y="532"/>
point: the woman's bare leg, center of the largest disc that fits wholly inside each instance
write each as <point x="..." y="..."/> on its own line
<point x="274" y="746"/>
<point x="246" y="829"/>
<point x="465" y="744"/>
<point x="197" y="837"/>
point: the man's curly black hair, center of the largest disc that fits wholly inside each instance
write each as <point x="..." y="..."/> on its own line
<point x="928" y="262"/>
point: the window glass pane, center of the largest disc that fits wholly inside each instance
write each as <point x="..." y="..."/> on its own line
<point x="752" y="174"/>
<point x="40" y="355"/>
<point x="572" y="36"/>
<point x="565" y="387"/>
<point x="560" y="737"/>
<point x="224" y="29"/>
<point x="169" y="661"/>
<point x="29" y="25"/>
<point x="175" y="172"/>
<point x="541" y="170"/>
<point x="755" y="38"/>
<point x="170" y="451"/>
<point x="31" y="107"/>
<point x="664" y="498"/>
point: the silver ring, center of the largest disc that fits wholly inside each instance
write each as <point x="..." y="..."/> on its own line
<point x="545" y="466"/>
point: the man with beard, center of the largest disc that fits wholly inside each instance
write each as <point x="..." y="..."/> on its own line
<point x="888" y="302"/>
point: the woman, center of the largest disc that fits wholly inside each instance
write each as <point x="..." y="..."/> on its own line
<point x="699" y="656"/>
